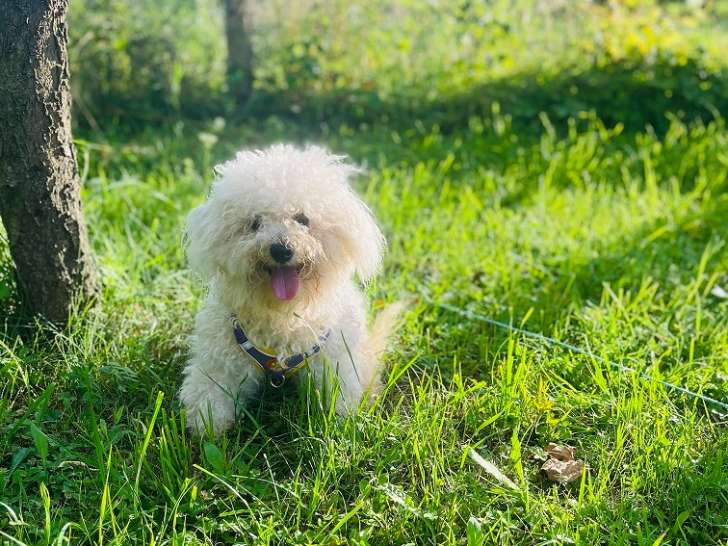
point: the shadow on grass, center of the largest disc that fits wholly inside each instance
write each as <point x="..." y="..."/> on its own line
<point x="635" y="93"/>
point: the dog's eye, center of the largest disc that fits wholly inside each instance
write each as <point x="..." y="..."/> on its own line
<point x="255" y="224"/>
<point x="301" y="219"/>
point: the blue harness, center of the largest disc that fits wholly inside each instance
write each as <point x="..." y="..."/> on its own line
<point x="276" y="370"/>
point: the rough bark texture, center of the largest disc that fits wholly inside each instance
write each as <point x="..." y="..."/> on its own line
<point x="240" y="52"/>
<point x="39" y="185"/>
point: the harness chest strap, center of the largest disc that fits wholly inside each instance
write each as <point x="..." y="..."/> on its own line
<point x="276" y="369"/>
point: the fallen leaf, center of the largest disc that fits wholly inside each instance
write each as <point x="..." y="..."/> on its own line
<point x="559" y="452"/>
<point x="562" y="465"/>
<point x="563" y="471"/>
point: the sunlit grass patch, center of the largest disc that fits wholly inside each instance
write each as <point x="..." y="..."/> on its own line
<point x="593" y="229"/>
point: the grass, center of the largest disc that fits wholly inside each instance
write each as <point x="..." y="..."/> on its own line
<point x="606" y="236"/>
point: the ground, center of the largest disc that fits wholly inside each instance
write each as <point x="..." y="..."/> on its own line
<point x="585" y="202"/>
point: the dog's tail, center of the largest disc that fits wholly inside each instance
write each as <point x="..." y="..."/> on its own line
<point x="383" y="328"/>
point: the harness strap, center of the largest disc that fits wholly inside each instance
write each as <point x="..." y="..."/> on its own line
<point x="276" y="369"/>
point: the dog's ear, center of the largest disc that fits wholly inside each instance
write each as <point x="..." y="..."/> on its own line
<point x="366" y="242"/>
<point x="202" y="238"/>
<point x="362" y="240"/>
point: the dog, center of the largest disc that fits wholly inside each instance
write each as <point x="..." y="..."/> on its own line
<point x="281" y="241"/>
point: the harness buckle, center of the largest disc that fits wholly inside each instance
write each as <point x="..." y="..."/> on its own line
<point x="275" y="369"/>
<point x="277" y="380"/>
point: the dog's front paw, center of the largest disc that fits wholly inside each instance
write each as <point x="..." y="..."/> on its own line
<point x="208" y="413"/>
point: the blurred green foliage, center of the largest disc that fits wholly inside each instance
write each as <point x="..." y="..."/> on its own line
<point x="145" y="60"/>
<point x="392" y="62"/>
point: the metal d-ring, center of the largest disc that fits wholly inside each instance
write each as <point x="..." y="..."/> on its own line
<point x="277" y="380"/>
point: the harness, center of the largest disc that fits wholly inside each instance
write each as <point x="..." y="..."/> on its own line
<point x="276" y="369"/>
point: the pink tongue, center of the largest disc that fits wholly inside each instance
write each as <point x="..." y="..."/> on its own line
<point x="284" y="281"/>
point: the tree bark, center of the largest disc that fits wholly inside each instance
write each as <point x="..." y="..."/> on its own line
<point x="39" y="185"/>
<point x="240" y="51"/>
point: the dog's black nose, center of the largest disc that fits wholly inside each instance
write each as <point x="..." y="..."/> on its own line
<point x="281" y="253"/>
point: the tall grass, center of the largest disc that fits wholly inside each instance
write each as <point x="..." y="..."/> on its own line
<point x="603" y="227"/>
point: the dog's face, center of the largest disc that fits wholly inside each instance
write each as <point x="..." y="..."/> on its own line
<point x="282" y="226"/>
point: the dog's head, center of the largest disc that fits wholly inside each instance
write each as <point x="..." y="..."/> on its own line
<point x="282" y="224"/>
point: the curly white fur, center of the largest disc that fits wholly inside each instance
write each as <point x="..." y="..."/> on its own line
<point x="259" y="199"/>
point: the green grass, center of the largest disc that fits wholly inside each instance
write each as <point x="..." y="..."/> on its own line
<point x="600" y="234"/>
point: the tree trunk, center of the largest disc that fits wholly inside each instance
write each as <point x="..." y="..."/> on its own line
<point x="240" y="52"/>
<point x="39" y="186"/>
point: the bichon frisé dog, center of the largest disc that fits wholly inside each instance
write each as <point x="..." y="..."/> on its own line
<point x="280" y="241"/>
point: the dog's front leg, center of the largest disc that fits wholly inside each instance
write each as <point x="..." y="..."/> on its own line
<point x="338" y="377"/>
<point x="214" y="392"/>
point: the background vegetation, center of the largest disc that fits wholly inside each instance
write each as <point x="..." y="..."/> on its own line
<point x="558" y="165"/>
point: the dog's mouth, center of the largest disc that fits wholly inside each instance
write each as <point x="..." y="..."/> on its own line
<point x="284" y="280"/>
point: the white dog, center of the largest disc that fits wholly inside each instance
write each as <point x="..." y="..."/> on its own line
<point x="279" y="240"/>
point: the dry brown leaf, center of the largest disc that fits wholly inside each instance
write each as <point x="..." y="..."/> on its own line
<point x="560" y="452"/>
<point x="562" y="465"/>
<point x="563" y="471"/>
